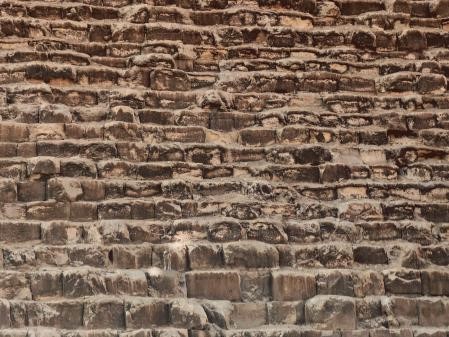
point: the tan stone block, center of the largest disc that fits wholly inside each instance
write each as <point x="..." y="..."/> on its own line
<point x="290" y="285"/>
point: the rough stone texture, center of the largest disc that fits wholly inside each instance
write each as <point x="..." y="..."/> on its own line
<point x="224" y="168"/>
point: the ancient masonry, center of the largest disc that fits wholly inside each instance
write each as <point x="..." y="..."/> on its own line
<point x="224" y="168"/>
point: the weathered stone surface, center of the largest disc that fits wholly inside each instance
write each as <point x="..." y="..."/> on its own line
<point x="185" y="314"/>
<point x="370" y="255"/>
<point x="218" y="312"/>
<point x="400" y="311"/>
<point x="205" y="256"/>
<point x="146" y="312"/>
<point x="104" y="313"/>
<point x="19" y="231"/>
<point x="165" y="283"/>
<point x="403" y="281"/>
<point x="214" y="285"/>
<point x="331" y="312"/>
<point x="435" y="282"/>
<point x="251" y="255"/>
<point x="285" y="312"/>
<point x="248" y="315"/>
<point x="218" y="168"/>
<point x="369" y="313"/>
<point x="292" y="285"/>
<point x="368" y="283"/>
<point x="335" y="282"/>
<point x="14" y="285"/>
<point x="433" y="312"/>
<point x="59" y="314"/>
<point x="46" y="284"/>
<point x="5" y="320"/>
<point x="412" y="40"/>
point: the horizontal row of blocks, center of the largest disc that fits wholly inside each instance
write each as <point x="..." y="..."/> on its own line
<point x="170" y="9"/>
<point x="90" y="97"/>
<point x="412" y="40"/>
<point x="111" y="191"/>
<point x="254" y="136"/>
<point x="120" y="193"/>
<point x="353" y="7"/>
<point x="111" y="65"/>
<point x="244" y="254"/>
<point x="324" y="312"/>
<point x="293" y="81"/>
<point x="54" y="157"/>
<point x="163" y="209"/>
<point x="220" y="284"/>
<point x="148" y="57"/>
<point x="122" y="178"/>
<point x="265" y="331"/>
<point x="222" y="229"/>
<point x="397" y="125"/>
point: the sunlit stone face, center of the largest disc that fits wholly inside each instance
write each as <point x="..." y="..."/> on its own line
<point x="224" y="168"/>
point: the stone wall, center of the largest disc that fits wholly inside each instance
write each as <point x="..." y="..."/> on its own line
<point x="224" y="168"/>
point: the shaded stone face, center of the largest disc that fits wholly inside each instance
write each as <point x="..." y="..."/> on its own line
<point x="224" y="168"/>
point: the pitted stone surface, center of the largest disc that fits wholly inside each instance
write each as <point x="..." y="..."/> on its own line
<point x="224" y="168"/>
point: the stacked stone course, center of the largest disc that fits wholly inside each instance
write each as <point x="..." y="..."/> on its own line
<point x="224" y="168"/>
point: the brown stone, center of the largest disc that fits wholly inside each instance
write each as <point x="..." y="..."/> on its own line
<point x="331" y="312"/>
<point x="104" y="313"/>
<point x="215" y="285"/>
<point x="146" y="312"/>
<point x="292" y="285"/>
<point x="224" y="168"/>
<point x="250" y="254"/>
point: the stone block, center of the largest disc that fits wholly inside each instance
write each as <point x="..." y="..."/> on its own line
<point x="331" y="312"/>
<point x="290" y="285"/>
<point x="214" y="285"/>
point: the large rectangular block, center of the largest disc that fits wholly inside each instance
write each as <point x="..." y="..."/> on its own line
<point x="104" y="313"/>
<point x="290" y="285"/>
<point x="14" y="231"/>
<point x="59" y="314"/>
<point x="331" y="312"/>
<point x="250" y="254"/>
<point x="146" y="312"/>
<point x="5" y="320"/>
<point x="435" y="282"/>
<point x="433" y="312"/>
<point x="214" y="285"/>
<point x="14" y="285"/>
<point x="46" y="284"/>
<point x="248" y="315"/>
<point x="14" y="132"/>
